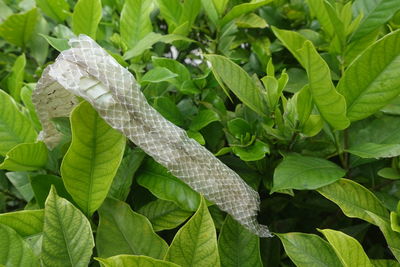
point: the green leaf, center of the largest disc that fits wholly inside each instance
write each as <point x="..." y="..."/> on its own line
<point x="241" y="9"/>
<point x="354" y="200"/>
<point x="86" y="17"/>
<point x="41" y="185"/>
<point x="330" y="104"/>
<point x="304" y="105"/>
<point x="5" y="11"/>
<point x="392" y="237"/>
<point x="21" y="182"/>
<point x="16" y="79"/>
<point x="389" y="173"/>
<point x="123" y="231"/>
<point x="304" y="172"/>
<point x="385" y="263"/>
<point x="14" y="251"/>
<point x="292" y="40"/>
<point x="164" y="215"/>
<point x="121" y="185"/>
<point x="211" y="11"/>
<point x="349" y="251"/>
<point x="372" y="150"/>
<point x="239" y="127"/>
<point x="171" y="11"/>
<point x="169" y="110"/>
<point x="254" y="152"/>
<point x="165" y="186"/>
<point x="135" y="21"/>
<point x="175" y="67"/>
<point x="67" y="235"/>
<point x="26" y="157"/>
<point x="157" y="75"/>
<point x="251" y="21"/>
<point x="25" y="222"/>
<point x="375" y="14"/>
<point x="55" y="9"/>
<point x="149" y="40"/>
<point x="92" y="160"/>
<point x="15" y="128"/>
<point x="195" y="244"/>
<point x="26" y="97"/>
<point x="361" y="88"/>
<point x="202" y="119"/>
<point x="190" y="10"/>
<point x="239" y="82"/>
<point x="57" y="43"/>
<point x="309" y="250"/>
<point x="19" y="28"/>
<point x="237" y="246"/>
<point x="134" y="261"/>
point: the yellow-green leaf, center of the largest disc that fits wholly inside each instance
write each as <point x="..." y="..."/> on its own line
<point x="92" y="160"/>
<point x="86" y="17"/>
<point x="195" y="244"/>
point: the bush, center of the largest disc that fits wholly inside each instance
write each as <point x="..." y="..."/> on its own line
<point x="300" y="98"/>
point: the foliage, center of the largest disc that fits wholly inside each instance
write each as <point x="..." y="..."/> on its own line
<point x="299" y="97"/>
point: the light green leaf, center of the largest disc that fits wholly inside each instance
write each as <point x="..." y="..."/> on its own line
<point x="149" y="40"/>
<point x="15" y="128"/>
<point x="5" y="11"/>
<point x="372" y="150"/>
<point x="292" y="40"/>
<point x="211" y="10"/>
<point x="135" y="21"/>
<point x="251" y="21"/>
<point x="16" y="79"/>
<point x="169" y="110"/>
<point x="26" y="157"/>
<point x="175" y="67"/>
<point x="20" y="181"/>
<point x="253" y="152"/>
<point x="134" y="261"/>
<point x="19" y="28"/>
<point x="39" y="48"/>
<point x="14" y="251"/>
<point x="237" y="246"/>
<point x="121" y="185"/>
<point x="67" y="235"/>
<point x="375" y="14"/>
<point x="123" y="231"/>
<point x="392" y="237"/>
<point x="165" y="186"/>
<point x="367" y="92"/>
<point x="171" y="11"/>
<point x="304" y="172"/>
<point x="241" y="9"/>
<point x="157" y="75"/>
<point x="195" y="244"/>
<point x="57" y="43"/>
<point x="389" y="173"/>
<point x="330" y="104"/>
<point x="354" y="200"/>
<point x="25" y="222"/>
<point x="309" y="250"/>
<point x="164" y="215"/>
<point x="349" y="251"/>
<point x="239" y="82"/>
<point x="55" y="9"/>
<point x="202" y="119"/>
<point x="26" y="97"/>
<point x="92" y="160"/>
<point x="86" y="17"/>
<point x="190" y="10"/>
<point x="220" y="5"/>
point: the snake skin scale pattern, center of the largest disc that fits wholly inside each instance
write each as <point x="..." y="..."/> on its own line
<point x="88" y="71"/>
